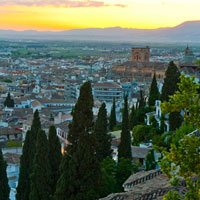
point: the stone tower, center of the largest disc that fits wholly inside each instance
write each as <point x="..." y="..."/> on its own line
<point x="140" y="54"/>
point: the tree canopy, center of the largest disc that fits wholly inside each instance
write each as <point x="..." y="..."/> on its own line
<point x="183" y="160"/>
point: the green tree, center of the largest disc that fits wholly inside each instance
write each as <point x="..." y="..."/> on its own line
<point x="133" y="119"/>
<point x="112" y="119"/>
<point x="108" y="184"/>
<point x="143" y="133"/>
<point x="26" y="160"/>
<point x="153" y="121"/>
<point x="150" y="161"/>
<point x="80" y="169"/>
<point x="9" y="102"/>
<point x="124" y="148"/>
<point x="40" y="177"/>
<point x="184" y="155"/>
<point x="186" y="99"/>
<point x="185" y="159"/>
<point x="101" y="134"/>
<point x="142" y="102"/>
<point x="172" y="78"/>
<point x="55" y="157"/>
<point x="82" y="122"/>
<point x="175" y="120"/>
<point x="153" y="92"/>
<point x="124" y="170"/>
<point x="4" y="187"/>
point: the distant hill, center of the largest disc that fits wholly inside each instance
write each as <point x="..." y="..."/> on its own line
<point x="187" y="32"/>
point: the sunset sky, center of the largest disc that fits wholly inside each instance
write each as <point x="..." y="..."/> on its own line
<point x="68" y="14"/>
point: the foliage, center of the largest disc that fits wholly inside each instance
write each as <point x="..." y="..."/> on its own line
<point x="7" y="81"/>
<point x="4" y="187"/>
<point x="162" y="142"/>
<point x="9" y="102"/>
<point x="132" y="118"/>
<point x="26" y="160"/>
<point x="170" y="82"/>
<point x="153" y="121"/>
<point x="181" y="132"/>
<point x="80" y="169"/>
<point x="184" y="161"/>
<point x="124" y="170"/>
<point x="150" y="161"/>
<point x="82" y="122"/>
<point x="141" y="102"/>
<point x="124" y="148"/>
<point x="55" y="157"/>
<point x="143" y="133"/>
<point x="187" y="99"/>
<point x="101" y="134"/>
<point x="108" y="184"/>
<point x="40" y="177"/>
<point x="175" y="120"/>
<point x="12" y="143"/>
<point x="172" y="195"/>
<point x="154" y="92"/>
<point x="112" y="119"/>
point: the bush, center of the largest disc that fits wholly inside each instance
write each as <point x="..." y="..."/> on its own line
<point x="12" y="143"/>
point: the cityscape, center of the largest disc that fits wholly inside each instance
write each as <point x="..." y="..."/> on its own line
<point x="102" y="110"/>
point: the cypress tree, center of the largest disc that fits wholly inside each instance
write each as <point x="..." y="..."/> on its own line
<point x="133" y="119"/>
<point x="80" y="169"/>
<point x="23" y="188"/>
<point x="4" y="187"/>
<point x="40" y="177"/>
<point x="124" y="149"/>
<point x="170" y="86"/>
<point x="101" y="134"/>
<point x="172" y="78"/>
<point x="153" y="93"/>
<point x="55" y="157"/>
<point x="112" y="120"/>
<point x="26" y="160"/>
<point x="9" y="102"/>
<point x="82" y="122"/>
<point x="141" y="100"/>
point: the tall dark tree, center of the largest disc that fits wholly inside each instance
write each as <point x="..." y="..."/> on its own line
<point x="26" y="160"/>
<point x="80" y="169"/>
<point x="141" y="100"/>
<point x="124" y="148"/>
<point x="9" y="102"/>
<point x="4" y="187"/>
<point x="153" y="92"/>
<point x="172" y="78"/>
<point x="112" y="120"/>
<point x="133" y="118"/>
<point x="55" y="157"/>
<point x="40" y="177"/>
<point x="170" y="86"/>
<point x="101" y="134"/>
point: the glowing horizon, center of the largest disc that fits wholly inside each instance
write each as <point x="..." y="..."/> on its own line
<point x="56" y="15"/>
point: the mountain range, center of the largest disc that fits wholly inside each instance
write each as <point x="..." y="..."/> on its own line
<point x="187" y="32"/>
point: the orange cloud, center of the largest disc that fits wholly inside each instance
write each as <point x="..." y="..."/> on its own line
<point x="58" y="3"/>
